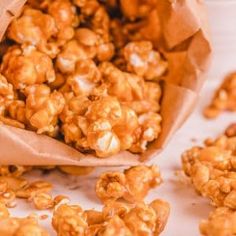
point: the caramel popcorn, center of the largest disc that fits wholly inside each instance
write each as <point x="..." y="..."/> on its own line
<point x="115" y="219"/>
<point x="132" y="185"/>
<point x="27" y="66"/>
<point x="35" y="28"/>
<point x="221" y="222"/>
<point x="69" y="220"/>
<point x="43" y="107"/>
<point x="143" y="60"/>
<point x="43" y="201"/>
<point x="75" y="71"/>
<point x="212" y="170"/>
<point x="6" y="94"/>
<point x="12" y="226"/>
<point x="76" y="170"/>
<point x="224" y="98"/>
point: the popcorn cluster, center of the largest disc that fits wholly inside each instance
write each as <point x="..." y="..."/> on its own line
<point x="87" y="71"/>
<point x="115" y="219"/>
<point x="132" y="185"/>
<point x="212" y="170"/>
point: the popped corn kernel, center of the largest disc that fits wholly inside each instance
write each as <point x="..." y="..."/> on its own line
<point x="12" y="226"/>
<point x="111" y="186"/>
<point x="6" y="94"/>
<point x="43" y="107"/>
<point x="132" y="185"/>
<point x="35" y="28"/>
<point x="85" y="77"/>
<point x="72" y="52"/>
<point x="43" y="201"/>
<point x="224" y="98"/>
<point x="23" y="66"/>
<point x="221" y="222"/>
<point x="148" y="131"/>
<point x="139" y="180"/>
<point x="66" y="19"/>
<point x="143" y="60"/>
<point x="69" y="220"/>
<point x="30" y="190"/>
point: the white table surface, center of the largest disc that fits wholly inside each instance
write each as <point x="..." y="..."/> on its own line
<point x="187" y="208"/>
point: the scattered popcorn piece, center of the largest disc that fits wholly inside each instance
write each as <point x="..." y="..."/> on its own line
<point x="224" y="98"/>
<point x="212" y="170"/>
<point x="221" y="222"/>
<point x="132" y="185"/>
<point x="43" y="201"/>
<point x="69" y="220"/>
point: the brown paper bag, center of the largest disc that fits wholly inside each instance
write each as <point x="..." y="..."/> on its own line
<point x="186" y="45"/>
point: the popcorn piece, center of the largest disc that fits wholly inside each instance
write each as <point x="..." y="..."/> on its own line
<point x="111" y="186"/>
<point x="27" y="66"/>
<point x="137" y="8"/>
<point x="132" y="186"/>
<point x="6" y="94"/>
<point x="4" y="213"/>
<point x="65" y="16"/>
<point x="72" y="52"/>
<point x="143" y="60"/>
<point x="35" y="28"/>
<point x="13" y="170"/>
<point x="85" y="77"/>
<point x="43" y="107"/>
<point x="30" y="190"/>
<point x="224" y="98"/>
<point x="43" y="201"/>
<point x="100" y="136"/>
<point x="21" y="227"/>
<point x="139" y="180"/>
<point x="212" y="171"/>
<point x="69" y="220"/>
<point x="150" y="129"/>
<point x="221" y="222"/>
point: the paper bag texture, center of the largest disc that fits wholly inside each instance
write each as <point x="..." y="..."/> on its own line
<point x="185" y="44"/>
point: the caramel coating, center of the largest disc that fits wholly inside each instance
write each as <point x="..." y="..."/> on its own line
<point x="27" y="66"/>
<point x="132" y="185"/>
<point x="224" y="98"/>
<point x="212" y="170"/>
<point x="221" y="222"/>
<point x="72" y="73"/>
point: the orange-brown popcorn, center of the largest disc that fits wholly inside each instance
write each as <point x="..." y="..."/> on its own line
<point x="35" y="28"/>
<point x="43" y="107"/>
<point x="27" y="66"/>
<point x="4" y="213"/>
<point x="66" y="19"/>
<point x="224" y="98"/>
<point x="16" y="111"/>
<point x="137" y="8"/>
<point x="21" y="227"/>
<point x="85" y="77"/>
<point x="6" y="94"/>
<point x="13" y="170"/>
<point x="139" y="180"/>
<point x="43" y="201"/>
<point x="132" y="185"/>
<point x="221" y="222"/>
<point x="111" y="186"/>
<point x="69" y="220"/>
<point x="72" y="52"/>
<point x="148" y="131"/>
<point x="143" y="60"/>
<point x="212" y="171"/>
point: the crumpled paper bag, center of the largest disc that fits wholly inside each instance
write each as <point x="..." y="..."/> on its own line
<point x="186" y="45"/>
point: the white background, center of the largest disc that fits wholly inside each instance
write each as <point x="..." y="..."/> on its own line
<point x="187" y="208"/>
